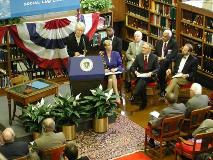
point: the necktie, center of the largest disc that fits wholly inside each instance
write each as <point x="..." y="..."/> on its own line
<point x="145" y="63"/>
<point x="164" y="48"/>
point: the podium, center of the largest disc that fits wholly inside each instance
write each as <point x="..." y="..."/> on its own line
<point x="85" y="73"/>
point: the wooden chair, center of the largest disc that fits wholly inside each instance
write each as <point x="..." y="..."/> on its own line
<point x="23" y="158"/>
<point x="15" y="81"/>
<point x="202" y="143"/>
<point x="53" y="153"/>
<point x="196" y="118"/>
<point x="184" y="91"/>
<point x="168" y="131"/>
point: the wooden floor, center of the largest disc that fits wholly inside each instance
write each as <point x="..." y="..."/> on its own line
<point x="154" y="103"/>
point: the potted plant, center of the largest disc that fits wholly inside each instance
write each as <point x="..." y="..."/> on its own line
<point x="68" y="110"/>
<point x="96" y="5"/>
<point x="103" y="104"/>
<point x="33" y="115"/>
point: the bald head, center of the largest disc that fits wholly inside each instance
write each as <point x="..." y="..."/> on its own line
<point x="48" y="125"/>
<point x="8" y="135"/>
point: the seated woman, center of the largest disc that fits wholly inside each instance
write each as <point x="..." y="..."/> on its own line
<point x="112" y="63"/>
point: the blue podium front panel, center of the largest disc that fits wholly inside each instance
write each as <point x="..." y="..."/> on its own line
<point x="85" y="68"/>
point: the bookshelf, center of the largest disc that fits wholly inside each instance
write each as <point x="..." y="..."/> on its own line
<point x="105" y="20"/>
<point x="196" y="27"/>
<point x="151" y="17"/>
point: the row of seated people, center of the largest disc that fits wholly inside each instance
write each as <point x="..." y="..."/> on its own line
<point x="197" y="102"/>
<point x="12" y="149"/>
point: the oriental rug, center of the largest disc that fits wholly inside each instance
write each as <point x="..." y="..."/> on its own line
<point x="123" y="137"/>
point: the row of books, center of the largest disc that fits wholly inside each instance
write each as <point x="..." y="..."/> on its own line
<point x="136" y="23"/>
<point x="155" y="31"/>
<point x="208" y="38"/>
<point x="208" y="66"/>
<point x="152" y="41"/>
<point x="140" y="3"/>
<point x="193" y="17"/>
<point x="104" y="21"/>
<point x="4" y="81"/>
<point x="97" y="38"/>
<point x="208" y="51"/>
<point x="163" y="22"/>
<point x="209" y="23"/>
<point x="163" y="9"/>
<point x="3" y="55"/>
<point x="192" y="31"/>
<point x="138" y="12"/>
<point x="173" y="2"/>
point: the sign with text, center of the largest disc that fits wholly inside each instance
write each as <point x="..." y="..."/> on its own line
<point x="14" y="8"/>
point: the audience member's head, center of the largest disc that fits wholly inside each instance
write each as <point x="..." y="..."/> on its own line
<point x="167" y="34"/>
<point x="8" y="135"/>
<point x="108" y="45"/>
<point x="110" y="32"/>
<point x="196" y="88"/>
<point x="48" y="125"/>
<point x="138" y="36"/>
<point x="171" y="98"/>
<point x="71" y="151"/>
<point x="146" y="48"/>
<point x="187" y="49"/>
<point x="79" y="29"/>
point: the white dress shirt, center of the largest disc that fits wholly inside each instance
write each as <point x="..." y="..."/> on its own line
<point x="182" y="63"/>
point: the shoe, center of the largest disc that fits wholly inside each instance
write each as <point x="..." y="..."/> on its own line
<point x="151" y="143"/>
<point x="132" y="99"/>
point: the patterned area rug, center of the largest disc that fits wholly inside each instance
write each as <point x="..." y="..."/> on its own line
<point x="123" y="137"/>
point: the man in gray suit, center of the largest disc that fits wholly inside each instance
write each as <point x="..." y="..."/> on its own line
<point x="133" y="50"/>
<point x="205" y="127"/>
<point x="48" y="139"/>
<point x="197" y="100"/>
<point x="173" y="109"/>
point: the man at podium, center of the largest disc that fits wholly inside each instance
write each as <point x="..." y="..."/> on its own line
<point x="113" y="67"/>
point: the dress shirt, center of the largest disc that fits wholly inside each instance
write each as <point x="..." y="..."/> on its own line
<point x="182" y="63"/>
<point x="163" y="48"/>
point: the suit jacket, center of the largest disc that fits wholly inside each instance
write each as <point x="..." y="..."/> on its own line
<point x="196" y="102"/>
<point x="205" y="127"/>
<point x="73" y="46"/>
<point x="190" y="66"/>
<point x="115" y="62"/>
<point x="171" y="45"/>
<point x="14" y="149"/>
<point x="131" y="52"/>
<point x="116" y="44"/>
<point x="49" y="140"/>
<point x="138" y="64"/>
<point x="171" y="110"/>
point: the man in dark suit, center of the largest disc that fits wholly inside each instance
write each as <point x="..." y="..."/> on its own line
<point x="184" y="70"/>
<point x="144" y="67"/>
<point x="173" y="109"/>
<point x="116" y="41"/>
<point x="166" y="49"/>
<point x="197" y="100"/>
<point x="13" y="149"/>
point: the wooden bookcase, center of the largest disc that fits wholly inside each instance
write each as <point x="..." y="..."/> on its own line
<point x="196" y="27"/>
<point x="151" y="17"/>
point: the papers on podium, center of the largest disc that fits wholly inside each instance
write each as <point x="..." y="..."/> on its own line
<point x="110" y="73"/>
<point x="178" y="75"/>
<point x="38" y="84"/>
<point x="155" y="114"/>
<point x="143" y="75"/>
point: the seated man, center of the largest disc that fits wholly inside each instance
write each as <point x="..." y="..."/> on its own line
<point x="197" y="100"/>
<point x="13" y="149"/>
<point x="71" y="153"/>
<point x="145" y="62"/>
<point x="133" y="50"/>
<point x="173" y="109"/>
<point x="205" y="127"/>
<point x="48" y="139"/>
<point x="184" y="70"/>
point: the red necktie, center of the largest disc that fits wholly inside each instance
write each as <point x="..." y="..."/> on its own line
<point x="145" y="63"/>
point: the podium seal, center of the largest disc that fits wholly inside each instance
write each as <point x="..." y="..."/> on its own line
<point x="86" y="65"/>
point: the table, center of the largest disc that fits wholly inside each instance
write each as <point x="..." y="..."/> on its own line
<point x="17" y="93"/>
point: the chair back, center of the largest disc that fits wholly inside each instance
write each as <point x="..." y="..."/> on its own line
<point x="55" y="153"/>
<point x="171" y="126"/>
<point x="22" y="158"/>
<point x="198" y="116"/>
<point x="206" y="143"/>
